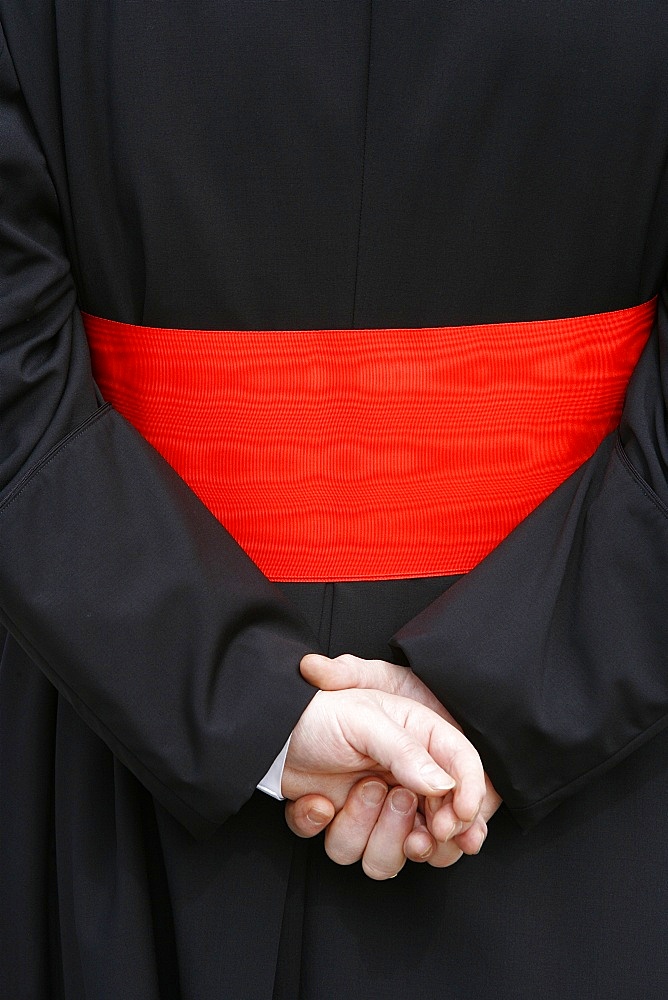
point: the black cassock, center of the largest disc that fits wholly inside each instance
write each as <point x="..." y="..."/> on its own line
<point x="338" y="164"/>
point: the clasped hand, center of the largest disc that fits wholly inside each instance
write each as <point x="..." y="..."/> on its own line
<point x="379" y="762"/>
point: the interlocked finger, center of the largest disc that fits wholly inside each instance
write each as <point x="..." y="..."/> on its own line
<point x="348" y="833"/>
<point x="384" y="855"/>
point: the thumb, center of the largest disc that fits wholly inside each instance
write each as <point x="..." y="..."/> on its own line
<point x="385" y="733"/>
<point x="348" y="671"/>
<point x="332" y="674"/>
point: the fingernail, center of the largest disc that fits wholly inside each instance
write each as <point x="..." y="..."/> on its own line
<point x="427" y="853"/>
<point x="316" y="817"/>
<point x="373" y="793"/>
<point x="402" y="801"/>
<point x="434" y="775"/>
<point x="433" y="803"/>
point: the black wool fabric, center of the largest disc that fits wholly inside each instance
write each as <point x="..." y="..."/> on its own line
<point x="336" y="164"/>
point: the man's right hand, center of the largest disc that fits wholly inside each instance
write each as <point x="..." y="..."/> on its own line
<point x="347" y="734"/>
<point x="380" y="829"/>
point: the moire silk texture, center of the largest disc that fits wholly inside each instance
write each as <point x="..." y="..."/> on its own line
<point x="372" y="454"/>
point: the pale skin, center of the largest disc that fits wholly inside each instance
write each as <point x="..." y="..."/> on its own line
<point x="384" y="820"/>
<point x="352" y="733"/>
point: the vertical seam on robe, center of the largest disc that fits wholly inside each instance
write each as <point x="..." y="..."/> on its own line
<point x="364" y="145"/>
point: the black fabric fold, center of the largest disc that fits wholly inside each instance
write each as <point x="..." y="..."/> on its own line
<point x="123" y="599"/>
<point x="113" y="576"/>
<point x="552" y="652"/>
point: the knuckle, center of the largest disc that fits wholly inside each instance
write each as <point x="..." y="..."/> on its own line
<point x="378" y="872"/>
<point x="420" y="850"/>
<point x="406" y="744"/>
<point x="341" y="854"/>
<point x="445" y="857"/>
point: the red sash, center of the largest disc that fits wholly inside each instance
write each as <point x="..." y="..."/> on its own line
<point x="372" y="454"/>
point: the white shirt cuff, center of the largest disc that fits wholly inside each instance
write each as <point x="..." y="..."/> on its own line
<point x="271" y="783"/>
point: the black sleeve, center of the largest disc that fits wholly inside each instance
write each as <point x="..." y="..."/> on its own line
<point x="553" y="652"/>
<point x="128" y="594"/>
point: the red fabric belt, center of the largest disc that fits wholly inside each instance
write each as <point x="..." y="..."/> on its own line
<point x="370" y="454"/>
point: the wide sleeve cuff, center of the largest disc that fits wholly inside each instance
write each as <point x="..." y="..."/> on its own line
<point x="552" y="653"/>
<point x="150" y="620"/>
